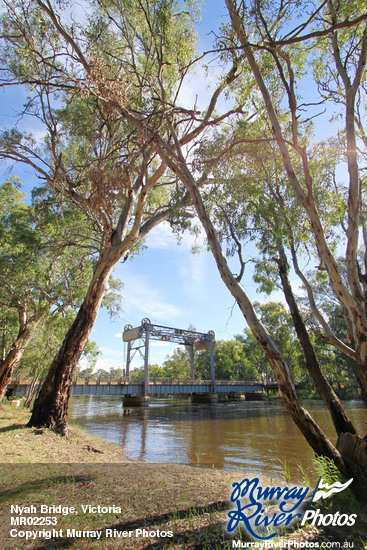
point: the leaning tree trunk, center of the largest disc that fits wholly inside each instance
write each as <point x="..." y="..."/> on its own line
<point x="341" y="421"/>
<point x="51" y="405"/>
<point x="15" y="354"/>
<point x="312" y="432"/>
<point x="316" y="438"/>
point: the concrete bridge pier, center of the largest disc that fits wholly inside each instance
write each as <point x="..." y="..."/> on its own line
<point x="135" y="401"/>
<point x="236" y="397"/>
<point x="256" y="396"/>
<point x="211" y="397"/>
<point x="204" y="398"/>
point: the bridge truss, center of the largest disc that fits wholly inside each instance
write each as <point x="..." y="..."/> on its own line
<point x="148" y="331"/>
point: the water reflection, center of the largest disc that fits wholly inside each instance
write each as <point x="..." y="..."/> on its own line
<point x="251" y="436"/>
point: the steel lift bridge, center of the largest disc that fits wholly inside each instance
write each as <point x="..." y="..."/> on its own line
<point x="147" y="332"/>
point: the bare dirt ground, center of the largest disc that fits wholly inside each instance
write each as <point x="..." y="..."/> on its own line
<point x="140" y="504"/>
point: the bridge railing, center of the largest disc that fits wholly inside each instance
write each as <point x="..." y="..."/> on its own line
<point x="155" y="380"/>
<point x="124" y="380"/>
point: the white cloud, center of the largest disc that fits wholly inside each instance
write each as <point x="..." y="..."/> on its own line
<point x="194" y="92"/>
<point x="163" y="238"/>
<point x="198" y="87"/>
<point x="190" y="267"/>
<point x="193" y="273"/>
<point x="107" y="363"/>
<point x="143" y="300"/>
<point x="112" y="352"/>
<point x="160" y="344"/>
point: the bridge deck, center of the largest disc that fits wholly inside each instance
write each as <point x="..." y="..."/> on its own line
<point x="157" y="388"/>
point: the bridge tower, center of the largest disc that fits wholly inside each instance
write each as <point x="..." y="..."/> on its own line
<point x="148" y="331"/>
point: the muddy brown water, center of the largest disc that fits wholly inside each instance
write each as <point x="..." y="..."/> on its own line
<point x="251" y="437"/>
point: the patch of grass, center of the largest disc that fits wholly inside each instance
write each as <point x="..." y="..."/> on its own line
<point x="286" y="470"/>
<point x="27" y="445"/>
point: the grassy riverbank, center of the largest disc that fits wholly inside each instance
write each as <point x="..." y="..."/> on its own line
<point x="41" y="468"/>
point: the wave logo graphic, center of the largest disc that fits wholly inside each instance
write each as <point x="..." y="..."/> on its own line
<point x="324" y="490"/>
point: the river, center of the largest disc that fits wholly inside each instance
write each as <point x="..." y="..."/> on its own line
<point x="257" y="436"/>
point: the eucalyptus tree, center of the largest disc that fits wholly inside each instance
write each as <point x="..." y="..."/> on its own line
<point x="43" y="264"/>
<point x="271" y="61"/>
<point x="327" y="307"/>
<point x="97" y="84"/>
<point x="89" y="155"/>
<point x="177" y="365"/>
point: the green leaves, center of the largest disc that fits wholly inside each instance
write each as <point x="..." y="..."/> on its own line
<point x="42" y="263"/>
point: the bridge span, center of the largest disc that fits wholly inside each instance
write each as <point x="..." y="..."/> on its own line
<point x="165" y="387"/>
<point x="185" y="387"/>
